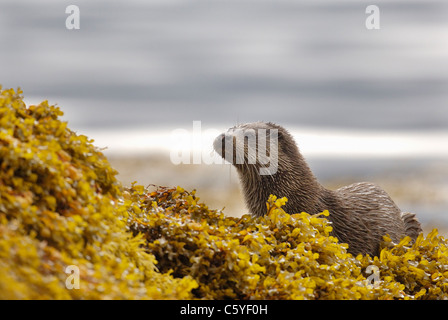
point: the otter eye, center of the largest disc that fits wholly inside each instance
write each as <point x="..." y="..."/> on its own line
<point x="279" y="135"/>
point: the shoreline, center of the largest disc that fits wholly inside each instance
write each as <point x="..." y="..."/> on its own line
<point x="312" y="141"/>
<point x="415" y="185"/>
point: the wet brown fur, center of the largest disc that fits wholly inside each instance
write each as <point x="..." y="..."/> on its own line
<point x="361" y="213"/>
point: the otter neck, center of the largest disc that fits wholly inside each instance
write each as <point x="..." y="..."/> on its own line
<point x="293" y="180"/>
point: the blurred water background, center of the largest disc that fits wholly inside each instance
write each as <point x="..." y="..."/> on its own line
<point x="362" y="104"/>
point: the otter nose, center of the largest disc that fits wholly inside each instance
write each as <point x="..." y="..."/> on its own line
<point x="221" y="138"/>
<point x="219" y="142"/>
<point x="223" y="141"/>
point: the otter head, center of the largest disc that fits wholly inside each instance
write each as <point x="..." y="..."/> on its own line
<point x="268" y="162"/>
<point x="252" y="147"/>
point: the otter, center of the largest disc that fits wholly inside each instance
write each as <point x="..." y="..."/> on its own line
<point x="360" y="213"/>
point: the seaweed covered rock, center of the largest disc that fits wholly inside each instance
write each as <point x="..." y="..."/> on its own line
<point x="62" y="210"/>
<point x="60" y="207"/>
<point x="278" y="256"/>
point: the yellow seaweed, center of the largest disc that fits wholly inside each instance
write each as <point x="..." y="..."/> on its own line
<point x="61" y="206"/>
